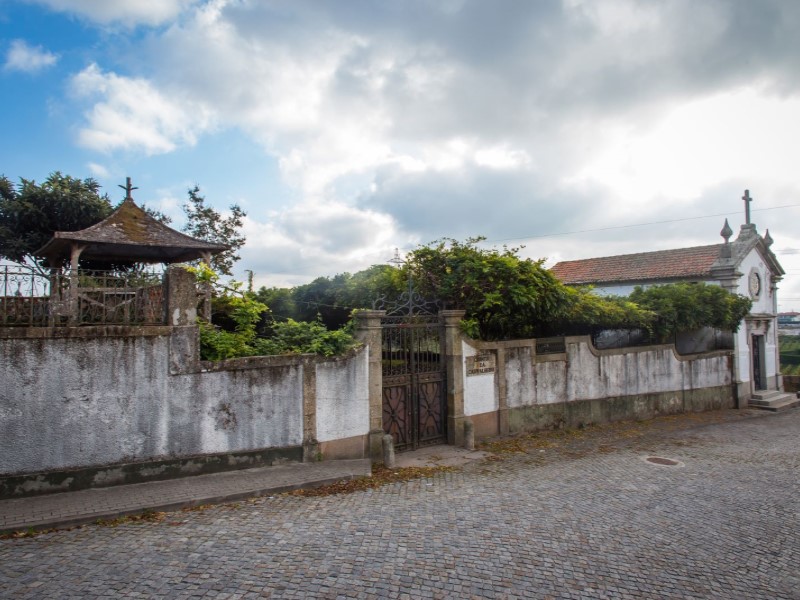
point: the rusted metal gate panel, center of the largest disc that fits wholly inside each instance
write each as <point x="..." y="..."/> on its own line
<point x="414" y="380"/>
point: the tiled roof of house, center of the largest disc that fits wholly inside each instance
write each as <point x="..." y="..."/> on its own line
<point x="681" y="263"/>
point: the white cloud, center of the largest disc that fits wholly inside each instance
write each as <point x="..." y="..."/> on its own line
<point x="316" y="238"/>
<point x="98" y="170"/>
<point x="134" y="116"/>
<point x="126" y="12"/>
<point x="742" y="133"/>
<point x="28" y="59"/>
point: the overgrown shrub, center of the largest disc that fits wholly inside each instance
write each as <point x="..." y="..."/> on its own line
<point x="240" y="328"/>
<point x="688" y="306"/>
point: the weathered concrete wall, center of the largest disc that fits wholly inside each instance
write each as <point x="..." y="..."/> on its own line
<point x="584" y="385"/>
<point x="342" y="396"/>
<point x="86" y="398"/>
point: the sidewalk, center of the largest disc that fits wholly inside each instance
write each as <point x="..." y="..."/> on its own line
<point x="74" y="508"/>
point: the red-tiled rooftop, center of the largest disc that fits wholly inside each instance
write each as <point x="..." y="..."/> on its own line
<point x="681" y="263"/>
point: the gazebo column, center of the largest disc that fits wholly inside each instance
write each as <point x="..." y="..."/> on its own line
<point x="75" y="254"/>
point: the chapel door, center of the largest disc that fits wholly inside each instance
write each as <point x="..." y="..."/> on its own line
<point x="757" y="345"/>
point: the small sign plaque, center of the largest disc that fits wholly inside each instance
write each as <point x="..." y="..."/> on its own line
<point x="480" y="364"/>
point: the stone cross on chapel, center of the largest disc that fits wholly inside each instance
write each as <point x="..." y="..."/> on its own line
<point x="747" y="200"/>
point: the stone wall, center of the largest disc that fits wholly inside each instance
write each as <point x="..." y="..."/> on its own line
<point x="525" y="391"/>
<point x="91" y="402"/>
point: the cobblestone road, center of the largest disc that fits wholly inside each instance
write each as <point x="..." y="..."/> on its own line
<point x="589" y="519"/>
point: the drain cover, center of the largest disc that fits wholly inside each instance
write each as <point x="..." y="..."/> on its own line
<point x="658" y="460"/>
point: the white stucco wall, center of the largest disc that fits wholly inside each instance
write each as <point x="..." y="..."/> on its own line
<point x="70" y="403"/>
<point x="588" y="374"/>
<point x="343" y="398"/>
<point x="480" y="392"/>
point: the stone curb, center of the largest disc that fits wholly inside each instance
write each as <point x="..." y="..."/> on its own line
<point x="349" y="470"/>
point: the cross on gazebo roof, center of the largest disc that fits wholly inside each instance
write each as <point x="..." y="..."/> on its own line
<point x="128" y="188"/>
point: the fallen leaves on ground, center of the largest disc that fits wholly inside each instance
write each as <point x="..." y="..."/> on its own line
<point x="603" y="438"/>
<point x="381" y="476"/>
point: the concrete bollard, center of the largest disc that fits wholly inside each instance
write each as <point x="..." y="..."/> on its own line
<point x="388" y="451"/>
<point x="469" y="434"/>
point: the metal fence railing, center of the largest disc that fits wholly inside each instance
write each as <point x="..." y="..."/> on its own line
<point x="705" y="339"/>
<point x="553" y="345"/>
<point x="31" y="298"/>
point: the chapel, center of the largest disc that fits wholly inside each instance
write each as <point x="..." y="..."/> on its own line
<point x="745" y="265"/>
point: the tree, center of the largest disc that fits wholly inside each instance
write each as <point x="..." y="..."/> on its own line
<point x="207" y="224"/>
<point x="31" y="213"/>
<point x="504" y="296"/>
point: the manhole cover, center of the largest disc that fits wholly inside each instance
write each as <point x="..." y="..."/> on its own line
<point x="660" y="460"/>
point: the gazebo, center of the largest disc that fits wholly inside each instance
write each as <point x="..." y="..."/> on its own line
<point x="128" y="235"/>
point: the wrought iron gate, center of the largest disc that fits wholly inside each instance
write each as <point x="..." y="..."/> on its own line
<point x="414" y="381"/>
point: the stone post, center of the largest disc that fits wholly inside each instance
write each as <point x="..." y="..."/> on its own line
<point x="181" y="298"/>
<point x="180" y="307"/>
<point x="454" y="361"/>
<point x="368" y="332"/>
<point x="388" y="451"/>
<point x="310" y="443"/>
<point x="469" y="434"/>
<point x="502" y="391"/>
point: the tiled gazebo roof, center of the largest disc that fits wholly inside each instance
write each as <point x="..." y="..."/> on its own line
<point x="129" y="233"/>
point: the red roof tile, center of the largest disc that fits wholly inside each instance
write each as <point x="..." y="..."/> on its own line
<point x="681" y="263"/>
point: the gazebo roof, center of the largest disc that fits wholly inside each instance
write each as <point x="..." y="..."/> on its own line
<point x="129" y="233"/>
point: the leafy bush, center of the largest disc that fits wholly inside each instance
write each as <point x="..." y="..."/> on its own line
<point x="689" y="306"/>
<point x="238" y="317"/>
<point x="298" y="337"/>
<point x="789" y="348"/>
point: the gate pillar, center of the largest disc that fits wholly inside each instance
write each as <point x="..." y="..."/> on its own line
<point x="368" y="332"/>
<point x="454" y="358"/>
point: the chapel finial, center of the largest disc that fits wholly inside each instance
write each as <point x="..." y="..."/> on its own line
<point x="768" y="241"/>
<point x="726" y="232"/>
<point x="128" y="188"/>
<point x="747" y="200"/>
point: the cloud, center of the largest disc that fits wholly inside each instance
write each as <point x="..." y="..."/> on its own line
<point x="28" y="59"/>
<point x="312" y="239"/>
<point x="134" y="116"/>
<point x="126" y="12"/>
<point x="98" y="170"/>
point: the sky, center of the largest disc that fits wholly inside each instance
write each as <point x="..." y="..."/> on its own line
<point x="574" y="128"/>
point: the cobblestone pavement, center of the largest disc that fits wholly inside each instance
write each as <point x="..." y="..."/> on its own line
<point x="569" y="518"/>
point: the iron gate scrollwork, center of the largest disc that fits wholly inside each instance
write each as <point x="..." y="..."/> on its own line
<point x="414" y="378"/>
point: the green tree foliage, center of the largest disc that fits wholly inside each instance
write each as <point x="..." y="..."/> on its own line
<point x="689" y="306"/>
<point x="586" y="311"/>
<point x="790" y="354"/>
<point x="242" y="326"/>
<point x="332" y="299"/>
<point x="207" y="224"/>
<point x="504" y="296"/>
<point x="30" y="213"/>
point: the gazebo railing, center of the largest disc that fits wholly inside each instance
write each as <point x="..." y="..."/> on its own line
<point x="29" y="298"/>
<point x="25" y="296"/>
